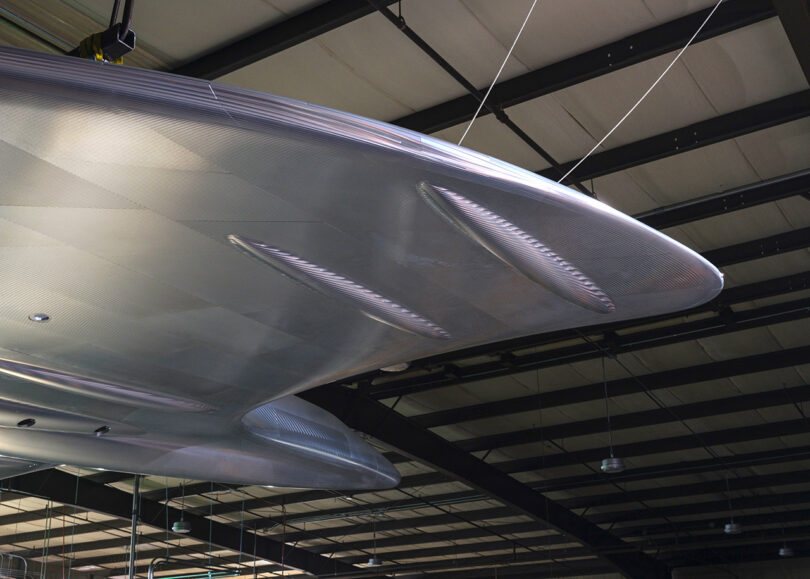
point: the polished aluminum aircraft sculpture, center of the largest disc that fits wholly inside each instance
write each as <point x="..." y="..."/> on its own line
<point x="179" y="258"/>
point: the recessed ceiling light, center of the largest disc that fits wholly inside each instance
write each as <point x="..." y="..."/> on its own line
<point x="39" y="317"/>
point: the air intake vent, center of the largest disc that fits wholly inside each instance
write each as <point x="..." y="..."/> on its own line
<point x="322" y="280"/>
<point x="517" y="248"/>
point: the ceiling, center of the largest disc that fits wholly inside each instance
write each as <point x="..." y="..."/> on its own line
<point x="499" y="446"/>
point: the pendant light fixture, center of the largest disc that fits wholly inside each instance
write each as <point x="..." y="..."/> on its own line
<point x="182" y="526"/>
<point x="612" y="464"/>
<point x="731" y="528"/>
<point x="374" y="561"/>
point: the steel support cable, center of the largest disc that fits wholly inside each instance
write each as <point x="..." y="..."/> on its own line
<point x="114" y="15"/>
<point x="498" y="112"/>
<point x="126" y="18"/>
<point x="112" y="529"/>
<point x="73" y="525"/>
<point x="498" y="74"/>
<point x="644" y="96"/>
<point x="288" y="525"/>
<point x="109" y="526"/>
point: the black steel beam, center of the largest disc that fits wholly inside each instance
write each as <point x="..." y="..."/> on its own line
<point x="717" y="559"/>
<point x="642" y="527"/>
<point x="558" y="484"/>
<point x="62" y="488"/>
<point x="691" y="508"/>
<point x="700" y="532"/>
<point x="659" y="446"/>
<point x="727" y="201"/>
<point x="536" y="561"/>
<point x="383" y="543"/>
<point x="277" y="37"/>
<point x="479" y="96"/>
<point x="359" y="411"/>
<point x="383" y="525"/>
<point x="759" y="248"/>
<point x="728" y="297"/>
<point x="200" y="488"/>
<point x="538" y="545"/>
<point x="518" y="566"/>
<point x="107" y="477"/>
<point x="628" y="51"/>
<point x="750" y="250"/>
<point x="691" y="411"/>
<point x="407" y="504"/>
<point x="619" y="387"/>
<point x="795" y="18"/>
<point x="446" y="499"/>
<point x="714" y="521"/>
<point x="529" y="571"/>
<point x="723" y="322"/>
<point x="146" y="554"/>
<point x="721" y="128"/>
<point x="638" y="529"/>
<point x="706" y="465"/>
<point x="690" y="490"/>
<point x="79" y="547"/>
<point x="677" y="468"/>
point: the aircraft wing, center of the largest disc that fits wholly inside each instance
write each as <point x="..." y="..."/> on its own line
<point x="178" y="258"/>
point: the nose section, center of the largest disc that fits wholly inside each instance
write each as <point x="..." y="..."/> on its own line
<point x="329" y="450"/>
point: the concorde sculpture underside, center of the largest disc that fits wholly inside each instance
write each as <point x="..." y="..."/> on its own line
<point x="179" y="258"/>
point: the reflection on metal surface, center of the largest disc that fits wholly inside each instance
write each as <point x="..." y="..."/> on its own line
<point x="398" y="367"/>
<point x="99" y="389"/>
<point x="297" y="424"/>
<point x="517" y="248"/>
<point x="329" y="283"/>
<point x="39" y="317"/>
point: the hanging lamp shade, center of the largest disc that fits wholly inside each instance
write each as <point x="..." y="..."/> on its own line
<point x="732" y="528"/>
<point x="182" y="527"/>
<point x="613" y="465"/>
